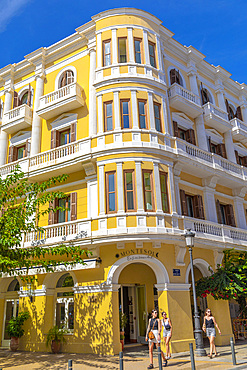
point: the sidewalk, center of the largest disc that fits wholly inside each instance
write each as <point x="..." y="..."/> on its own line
<point x="135" y="357"/>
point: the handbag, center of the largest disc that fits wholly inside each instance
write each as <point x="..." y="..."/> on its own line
<point x="151" y="334"/>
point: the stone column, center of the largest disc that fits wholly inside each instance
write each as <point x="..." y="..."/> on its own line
<point x="135" y="121"/>
<point x="151" y="111"/>
<point x="193" y="82"/>
<point x="114" y="46"/>
<point x="99" y="50"/>
<point x="173" y="206"/>
<point x="177" y="193"/>
<point x="117" y="123"/>
<point x="139" y="188"/>
<point x="157" y="187"/>
<point x="4" y="137"/>
<point x="221" y="99"/>
<point x="244" y="112"/>
<point x="146" y="49"/>
<point x="92" y="97"/>
<point x="160" y="64"/>
<point x="120" y="187"/>
<point x="100" y="114"/>
<point x="229" y="146"/>
<point x="37" y="120"/>
<point x="131" y="45"/>
<point x="165" y="115"/>
<point x="101" y="189"/>
<point x="239" y="212"/>
<point x="201" y="133"/>
<point x="209" y="203"/>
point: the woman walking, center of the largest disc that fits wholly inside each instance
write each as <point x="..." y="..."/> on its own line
<point x="153" y="336"/>
<point x="167" y="333"/>
<point x="208" y="327"/>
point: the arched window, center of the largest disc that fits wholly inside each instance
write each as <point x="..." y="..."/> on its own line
<point x="14" y="286"/>
<point x="206" y="96"/>
<point x="176" y="77"/>
<point x="11" y="307"/>
<point x="65" y="302"/>
<point x="66" y="78"/>
<point x="24" y="99"/>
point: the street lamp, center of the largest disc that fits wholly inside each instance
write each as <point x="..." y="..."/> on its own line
<point x="200" y="351"/>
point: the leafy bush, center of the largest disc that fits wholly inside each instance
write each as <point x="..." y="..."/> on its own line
<point x="14" y="328"/>
<point x="57" y="334"/>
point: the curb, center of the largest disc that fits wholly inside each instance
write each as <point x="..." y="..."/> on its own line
<point x="240" y="366"/>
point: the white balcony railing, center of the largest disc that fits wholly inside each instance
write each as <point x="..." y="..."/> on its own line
<point x="59" y="101"/>
<point x="17" y="119"/>
<point x="176" y="89"/>
<point x="210" y="108"/>
<point x="184" y="100"/>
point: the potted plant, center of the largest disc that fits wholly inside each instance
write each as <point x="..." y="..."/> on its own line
<point x="55" y="337"/>
<point x="122" y="323"/>
<point x="15" y="330"/>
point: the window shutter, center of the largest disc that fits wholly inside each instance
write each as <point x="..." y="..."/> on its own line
<point x="239" y="113"/>
<point x="10" y="157"/>
<point x="29" y="96"/>
<point x="73" y="206"/>
<point x="223" y="150"/>
<point x="237" y="156"/>
<point x="72" y="132"/>
<point x="27" y="148"/>
<point x="218" y="211"/>
<point x="54" y="139"/>
<point x="179" y="79"/>
<point x="55" y="214"/>
<point x="209" y="144"/>
<point x="228" y="109"/>
<point x="230" y="215"/>
<point x="175" y="128"/>
<point x="16" y="100"/>
<point x="244" y="160"/>
<point x="173" y="75"/>
<point x="63" y="80"/>
<point x="198" y="207"/>
<point x="51" y="214"/>
<point x="70" y="77"/>
<point x="190" y="136"/>
<point x="204" y="98"/>
<point x="183" y="203"/>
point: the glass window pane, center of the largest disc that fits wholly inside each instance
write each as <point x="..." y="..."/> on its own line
<point x="147" y="181"/>
<point x="109" y="125"/>
<point x="138" y="51"/>
<point x="141" y="107"/>
<point x="61" y="213"/>
<point x="112" y="202"/>
<point x="156" y="111"/>
<point x="142" y="122"/>
<point x="68" y="210"/>
<point x="129" y="182"/>
<point x="107" y="60"/>
<point x="126" y="121"/>
<point x="130" y="200"/>
<point x="20" y="153"/>
<point x="109" y="109"/>
<point x="107" y="48"/>
<point x="190" y="206"/>
<point x="111" y="182"/>
<point x="122" y="50"/>
<point x="24" y="98"/>
<point x="71" y="316"/>
<point x="125" y="107"/>
<point x="149" y="201"/>
<point x="60" y="315"/>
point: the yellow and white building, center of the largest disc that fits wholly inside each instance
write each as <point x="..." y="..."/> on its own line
<point x="154" y="139"/>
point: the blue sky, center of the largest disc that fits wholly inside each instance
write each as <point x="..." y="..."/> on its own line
<point x="218" y="28"/>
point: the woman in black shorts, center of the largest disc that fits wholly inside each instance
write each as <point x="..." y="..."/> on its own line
<point x="208" y="327"/>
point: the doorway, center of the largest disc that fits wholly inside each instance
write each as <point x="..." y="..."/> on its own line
<point x="11" y="310"/>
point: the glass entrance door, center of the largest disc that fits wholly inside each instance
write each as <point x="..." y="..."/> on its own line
<point x="11" y="310"/>
<point x="141" y="313"/>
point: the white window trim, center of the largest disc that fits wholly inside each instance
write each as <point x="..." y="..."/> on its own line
<point x="64" y="121"/>
<point x="168" y="72"/>
<point x="23" y="91"/>
<point x="66" y="301"/>
<point x="182" y="120"/>
<point x="59" y="75"/>
<point x="215" y="137"/>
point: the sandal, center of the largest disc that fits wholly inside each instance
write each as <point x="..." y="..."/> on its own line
<point x="165" y="364"/>
<point x="151" y="366"/>
<point x="210" y="356"/>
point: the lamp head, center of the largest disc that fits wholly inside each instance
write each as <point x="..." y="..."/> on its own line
<point x="189" y="238"/>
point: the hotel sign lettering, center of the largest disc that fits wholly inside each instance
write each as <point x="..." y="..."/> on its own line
<point x="147" y="253"/>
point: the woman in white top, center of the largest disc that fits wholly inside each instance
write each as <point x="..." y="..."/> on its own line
<point x="167" y="333"/>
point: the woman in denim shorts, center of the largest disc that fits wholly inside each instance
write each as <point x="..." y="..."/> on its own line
<point x="167" y="333"/>
<point x="209" y="325"/>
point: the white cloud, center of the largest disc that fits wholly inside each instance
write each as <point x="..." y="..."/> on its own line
<point x="8" y="10"/>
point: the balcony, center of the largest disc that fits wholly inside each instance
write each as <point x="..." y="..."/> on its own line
<point x="60" y="101"/>
<point x="184" y="101"/>
<point x="239" y="130"/>
<point x="216" y="118"/>
<point x="17" y="119"/>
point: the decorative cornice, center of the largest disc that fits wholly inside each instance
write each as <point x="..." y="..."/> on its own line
<point x="103" y="287"/>
<point x="172" y="287"/>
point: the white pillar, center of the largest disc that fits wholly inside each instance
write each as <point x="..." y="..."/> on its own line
<point x="173" y="207"/>
<point x="116" y="110"/>
<point x="201" y="133"/>
<point x="100" y="114"/>
<point x="114" y="46"/>
<point x="244" y="112"/>
<point x="160" y="64"/>
<point x="193" y="82"/>
<point x="177" y="194"/>
<point x="101" y="189"/>
<point x="229" y="146"/>
<point x="151" y="111"/>
<point x="37" y="121"/>
<point x="165" y="115"/>
<point x="135" y="123"/>
<point x="131" y="45"/>
<point x="99" y="50"/>
<point x="139" y="188"/>
<point x="146" y="49"/>
<point x="92" y="97"/>
<point x="4" y="137"/>
<point x="239" y="212"/>
<point x="221" y="99"/>
<point x="157" y="187"/>
<point x="120" y="187"/>
<point x="210" y="205"/>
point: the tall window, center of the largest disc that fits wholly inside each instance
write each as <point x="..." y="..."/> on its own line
<point x="142" y="113"/>
<point x="64" y="137"/>
<point x="125" y="116"/>
<point x="157" y="117"/>
<point x="164" y="192"/>
<point x="175" y="77"/>
<point x="64" y="213"/>
<point x="110" y="192"/>
<point x="108" y="116"/>
<point x="225" y="214"/>
<point x="192" y="205"/>
<point x="138" y="53"/>
<point x="65" y="302"/>
<point x="151" y="48"/>
<point x="148" y="190"/>
<point x="67" y="78"/>
<point x="107" y="53"/>
<point x="122" y="50"/>
<point x="21" y="151"/>
<point x="129" y="190"/>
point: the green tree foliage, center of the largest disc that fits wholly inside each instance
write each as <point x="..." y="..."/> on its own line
<point x="229" y="281"/>
<point x="22" y="204"/>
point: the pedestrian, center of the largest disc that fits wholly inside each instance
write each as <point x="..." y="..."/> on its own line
<point x="153" y="336"/>
<point x="167" y="333"/>
<point x="208" y="327"/>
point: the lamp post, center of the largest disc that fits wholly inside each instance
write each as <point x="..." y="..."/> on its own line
<point x="200" y="351"/>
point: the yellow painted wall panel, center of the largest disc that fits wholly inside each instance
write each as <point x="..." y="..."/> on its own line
<point x="111" y="223"/>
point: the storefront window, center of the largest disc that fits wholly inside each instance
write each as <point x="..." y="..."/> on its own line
<point x="65" y="302"/>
